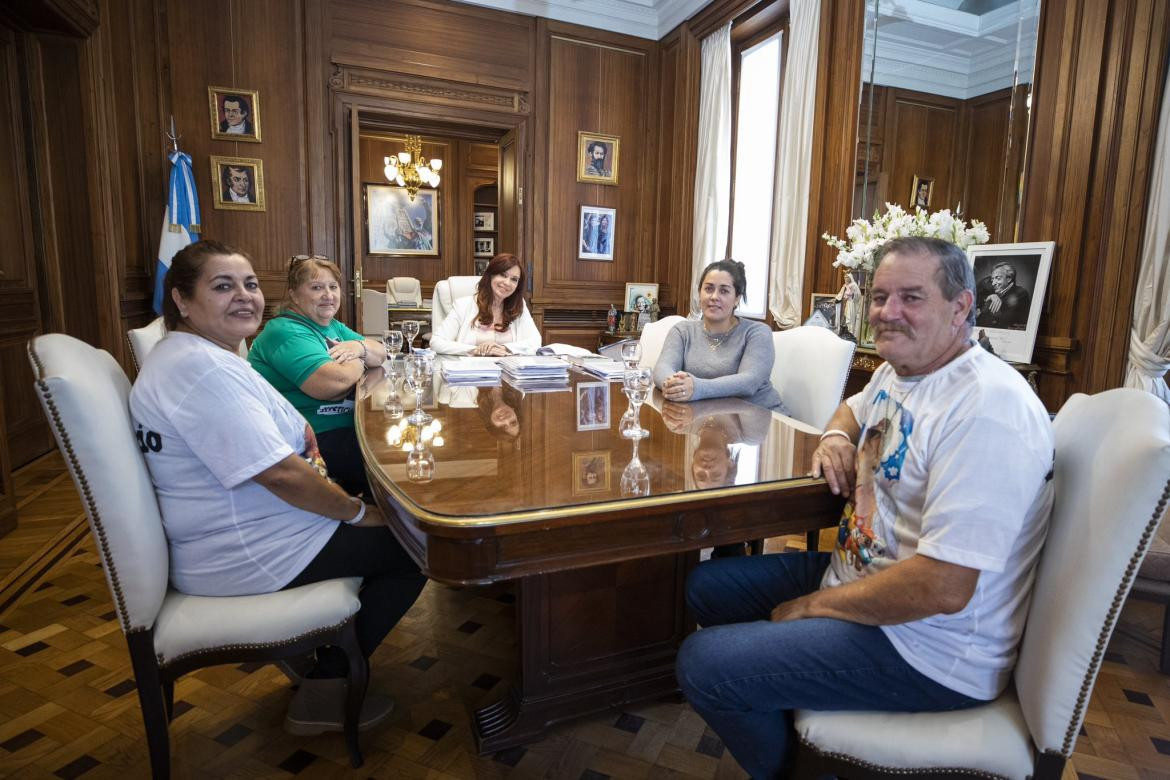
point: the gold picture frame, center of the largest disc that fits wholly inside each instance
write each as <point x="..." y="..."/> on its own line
<point x="226" y="175"/>
<point x="922" y="192"/>
<point x="591" y="472"/>
<point x="591" y="168"/>
<point x="242" y="113"/>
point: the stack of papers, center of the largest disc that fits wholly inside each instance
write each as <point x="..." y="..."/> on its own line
<point x="471" y="371"/>
<point x="535" y="372"/>
<point x="604" y="368"/>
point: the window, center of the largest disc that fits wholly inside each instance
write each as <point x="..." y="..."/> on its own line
<point x="756" y="110"/>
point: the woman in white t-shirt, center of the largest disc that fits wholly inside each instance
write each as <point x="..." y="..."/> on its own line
<point x="239" y="481"/>
<point x="495" y="320"/>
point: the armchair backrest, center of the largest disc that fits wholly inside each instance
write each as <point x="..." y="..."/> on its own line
<point x="809" y="372"/>
<point x="1111" y="491"/>
<point x="375" y="319"/>
<point x="653" y="337"/>
<point x="447" y="291"/>
<point x="86" y="395"/>
<point x="142" y="340"/>
<point x="404" y="289"/>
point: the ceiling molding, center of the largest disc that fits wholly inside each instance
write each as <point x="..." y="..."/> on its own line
<point x="650" y="19"/>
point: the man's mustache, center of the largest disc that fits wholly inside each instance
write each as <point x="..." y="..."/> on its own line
<point x="879" y="329"/>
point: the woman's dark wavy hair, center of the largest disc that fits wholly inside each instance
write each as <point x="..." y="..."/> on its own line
<point x="489" y="398"/>
<point x="735" y="269"/>
<point x="186" y="267"/>
<point x="513" y="304"/>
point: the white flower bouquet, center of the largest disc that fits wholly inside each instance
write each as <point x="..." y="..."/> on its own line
<point x="865" y="236"/>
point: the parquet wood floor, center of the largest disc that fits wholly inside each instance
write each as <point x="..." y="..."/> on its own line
<point x="68" y="707"/>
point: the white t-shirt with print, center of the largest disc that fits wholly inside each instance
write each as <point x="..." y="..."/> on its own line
<point x="210" y="423"/>
<point x="955" y="465"/>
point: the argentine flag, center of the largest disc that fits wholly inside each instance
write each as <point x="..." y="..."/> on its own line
<point x="180" y="222"/>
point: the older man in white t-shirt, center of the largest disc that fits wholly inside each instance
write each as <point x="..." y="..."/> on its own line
<point x="946" y="457"/>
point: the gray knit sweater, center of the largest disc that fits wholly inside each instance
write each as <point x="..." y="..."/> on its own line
<point x="741" y="366"/>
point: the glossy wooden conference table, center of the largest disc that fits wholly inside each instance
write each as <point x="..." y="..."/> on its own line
<point x="533" y="492"/>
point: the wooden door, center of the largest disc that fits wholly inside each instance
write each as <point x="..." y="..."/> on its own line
<point x="510" y="193"/>
<point x="25" y="431"/>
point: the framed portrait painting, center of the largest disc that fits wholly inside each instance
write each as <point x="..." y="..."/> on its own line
<point x="921" y="193"/>
<point x="1010" y="283"/>
<point x="592" y="406"/>
<point x="640" y="296"/>
<point x="399" y="226"/>
<point x="235" y="114"/>
<point x="590" y="472"/>
<point x="237" y="183"/>
<point x="597" y="158"/>
<point x="598" y="226"/>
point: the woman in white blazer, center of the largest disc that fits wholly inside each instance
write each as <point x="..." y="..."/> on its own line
<point x="494" y="321"/>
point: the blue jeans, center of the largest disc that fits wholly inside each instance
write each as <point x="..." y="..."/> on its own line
<point x="745" y="674"/>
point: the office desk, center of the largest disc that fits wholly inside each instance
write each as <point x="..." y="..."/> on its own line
<point x="600" y="607"/>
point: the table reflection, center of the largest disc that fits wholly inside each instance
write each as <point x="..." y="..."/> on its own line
<point x="509" y="451"/>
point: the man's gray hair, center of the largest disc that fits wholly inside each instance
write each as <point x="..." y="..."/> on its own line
<point x="954" y="271"/>
<point x="1011" y="269"/>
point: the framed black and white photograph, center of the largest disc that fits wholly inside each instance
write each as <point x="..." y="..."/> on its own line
<point x="235" y="114"/>
<point x="485" y="220"/>
<point x="399" y="226"/>
<point x="825" y="311"/>
<point x="237" y="183"/>
<point x="484" y="247"/>
<point x="592" y="406"/>
<point x="590" y="472"/>
<point x="598" y="225"/>
<point x="597" y="158"/>
<point x="1010" y="282"/>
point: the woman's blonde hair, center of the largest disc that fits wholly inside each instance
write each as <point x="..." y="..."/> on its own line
<point x="303" y="268"/>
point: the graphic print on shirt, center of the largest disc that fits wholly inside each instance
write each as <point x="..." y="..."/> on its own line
<point x="882" y="449"/>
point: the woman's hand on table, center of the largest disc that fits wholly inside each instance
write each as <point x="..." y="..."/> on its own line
<point x="679" y="386"/>
<point x="345" y="351"/>
<point x="678" y="417"/>
<point x="490" y="349"/>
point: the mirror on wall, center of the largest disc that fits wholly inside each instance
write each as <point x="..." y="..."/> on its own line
<point x="946" y="91"/>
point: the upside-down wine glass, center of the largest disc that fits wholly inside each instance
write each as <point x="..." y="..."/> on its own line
<point x="635" y="478"/>
<point x="409" y="331"/>
<point x="420" y="462"/>
<point x="393" y="407"/>
<point x="636" y="385"/>
<point x="417" y="373"/>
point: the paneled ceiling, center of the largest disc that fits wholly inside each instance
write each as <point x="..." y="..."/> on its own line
<point x="651" y="19"/>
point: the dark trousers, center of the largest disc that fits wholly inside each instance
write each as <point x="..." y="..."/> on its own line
<point x="339" y="448"/>
<point x="391" y="584"/>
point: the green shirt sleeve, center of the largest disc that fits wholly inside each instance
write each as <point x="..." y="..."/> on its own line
<point x="293" y="349"/>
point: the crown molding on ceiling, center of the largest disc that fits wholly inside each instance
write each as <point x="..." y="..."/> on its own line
<point x="651" y="19"/>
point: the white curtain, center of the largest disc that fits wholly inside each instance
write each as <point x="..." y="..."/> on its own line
<point x="713" y="170"/>
<point x="1149" y="341"/>
<point x="793" y="161"/>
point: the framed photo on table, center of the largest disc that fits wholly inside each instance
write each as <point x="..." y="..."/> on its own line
<point x="590" y="472"/>
<point x="828" y="307"/>
<point x="1010" y="283"/>
<point x="398" y="226"/>
<point x="640" y="292"/>
<point x="592" y="406"/>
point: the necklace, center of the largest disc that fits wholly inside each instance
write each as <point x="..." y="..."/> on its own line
<point x="713" y="343"/>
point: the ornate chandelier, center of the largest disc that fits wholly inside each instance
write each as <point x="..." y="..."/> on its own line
<point x="410" y="169"/>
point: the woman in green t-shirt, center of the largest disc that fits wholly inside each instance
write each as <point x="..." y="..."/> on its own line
<point x="315" y="361"/>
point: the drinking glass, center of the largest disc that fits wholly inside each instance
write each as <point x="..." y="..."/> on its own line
<point x="393" y="407"/>
<point x="392" y="340"/>
<point x="635" y="477"/>
<point x="631" y="354"/>
<point x="420" y="464"/>
<point x="636" y="385"/>
<point x="417" y="374"/>
<point x="409" y="331"/>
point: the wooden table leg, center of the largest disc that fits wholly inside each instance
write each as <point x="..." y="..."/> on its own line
<point x="590" y="639"/>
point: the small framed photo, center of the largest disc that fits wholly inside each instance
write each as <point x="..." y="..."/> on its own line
<point x="590" y="472"/>
<point x="921" y="192"/>
<point x="399" y="226"/>
<point x="597" y="158"/>
<point x="1010" y="282"/>
<point x="592" y="406"/>
<point x="825" y="311"/>
<point x="235" y="114"/>
<point x="598" y="226"/>
<point x="640" y="296"/>
<point x="237" y="183"/>
<point x="485" y="220"/>
<point x="485" y="247"/>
